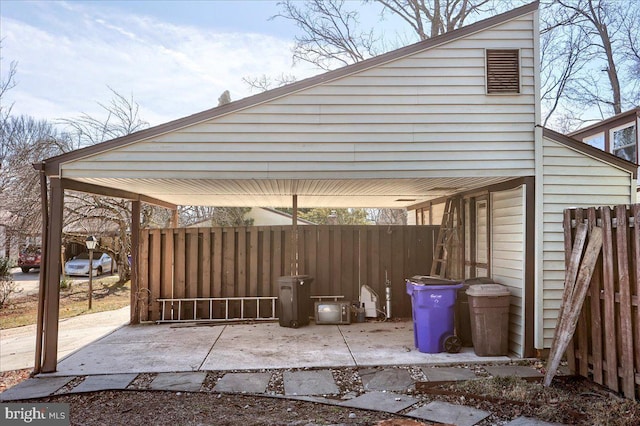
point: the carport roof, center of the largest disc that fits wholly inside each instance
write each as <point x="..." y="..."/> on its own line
<point x="387" y="190"/>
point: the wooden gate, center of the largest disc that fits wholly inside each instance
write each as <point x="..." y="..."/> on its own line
<point x="606" y="344"/>
<point x="247" y="261"/>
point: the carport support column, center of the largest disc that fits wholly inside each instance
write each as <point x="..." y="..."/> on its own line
<point x="135" y="258"/>
<point x="294" y="252"/>
<point x="52" y="279"/>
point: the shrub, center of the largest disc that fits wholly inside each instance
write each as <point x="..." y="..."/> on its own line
<point x="7" y="285"/>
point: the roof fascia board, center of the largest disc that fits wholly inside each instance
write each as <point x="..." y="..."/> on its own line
<point x="89" y="188"/>
<point x="53" y="164"/>
<point x="614" y="121"/>
<point x="591" y="151"/>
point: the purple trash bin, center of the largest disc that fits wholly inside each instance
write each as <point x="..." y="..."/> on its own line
<point x="433" y="305"/>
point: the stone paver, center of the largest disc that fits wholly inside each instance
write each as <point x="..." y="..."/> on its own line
<point x="443" y="412"/>
<point x="35" y="388"/>
<point x="529" y="421"/>
<point x="243" y="382"/>
<point x="187" y="382"/>
<point x="448" y="374"/>
<point x="317" y="382"/>
<point x="105" y="382"/>
<point x="389" y="379"/>
<point x="381" y="401"/>
<point x="514" y="370"/>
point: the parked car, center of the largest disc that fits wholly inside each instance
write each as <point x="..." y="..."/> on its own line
<point x="79" y="265"/>
<point x="29" y="258"/>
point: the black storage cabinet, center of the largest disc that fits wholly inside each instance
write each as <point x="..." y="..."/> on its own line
<point x="294" y="300"/>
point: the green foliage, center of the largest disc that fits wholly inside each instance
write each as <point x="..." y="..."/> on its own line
<point x="324" y="216"/>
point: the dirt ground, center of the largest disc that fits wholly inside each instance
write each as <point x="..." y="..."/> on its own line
<point x="569" y="401"/>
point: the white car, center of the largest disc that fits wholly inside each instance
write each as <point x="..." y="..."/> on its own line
<point x="79" y="265"/>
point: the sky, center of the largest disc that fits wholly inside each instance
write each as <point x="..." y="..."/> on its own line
<point x="175" y="58"/>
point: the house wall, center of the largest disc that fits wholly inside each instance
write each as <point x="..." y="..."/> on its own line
<point x="424" y="115"/>
<point x="508" y="256"/>
<point x="570" y="179"/>
<point x="263" y="217"/>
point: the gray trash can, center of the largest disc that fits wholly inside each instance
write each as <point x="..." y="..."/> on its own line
<point x="489" y="311"/>
<point x="463" y="317"/>
<point x="294" y="300"/>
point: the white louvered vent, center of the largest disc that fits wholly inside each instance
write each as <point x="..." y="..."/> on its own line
<point x="503" y="71"/>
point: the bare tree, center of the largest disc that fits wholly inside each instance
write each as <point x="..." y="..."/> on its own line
<point x="264" y="82"/>
<point x="89" y="211"/>
<point x="330" y="35"/>
<point x="603" y="46"/>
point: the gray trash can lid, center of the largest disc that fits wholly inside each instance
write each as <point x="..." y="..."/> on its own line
<point x="488" y="290"/>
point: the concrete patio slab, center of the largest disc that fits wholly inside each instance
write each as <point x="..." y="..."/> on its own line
<point x="443" y="412"/>
<point x="186" y="382"/>
<point x="34" y="388"/>
<point x="391" y="343"/>
<point x="143" y="349"/>
<point x="381" y="401"/>
<point x="514" y="370"/>
<point x="390" y="379"/>
<point x="448" y="374"/>
<point x="105" y="382"/>
<point x="243" y="382"/>
<point x="316" y="382"/>
<point x="262" y="346"/>
<point x="529" y="421"/>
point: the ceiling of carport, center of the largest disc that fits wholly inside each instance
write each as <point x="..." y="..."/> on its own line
<point x="338" y="193"/>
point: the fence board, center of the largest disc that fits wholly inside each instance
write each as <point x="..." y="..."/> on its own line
<point x="636" y="238"/>
<point x="610" y="318"/>
<point x="626" y="332"/>
<point x="595" y="308"/>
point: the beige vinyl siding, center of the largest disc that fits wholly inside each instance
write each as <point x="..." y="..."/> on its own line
<point x="507" y="256"/>
<point x="571" y="179"/>
<point x="482" y="249"/>
<point x="424" y="115"/>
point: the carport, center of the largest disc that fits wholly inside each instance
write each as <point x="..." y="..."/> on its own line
<point x="407" y="129"/>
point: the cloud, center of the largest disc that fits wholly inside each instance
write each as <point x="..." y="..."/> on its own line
<point x="65" y="65"/>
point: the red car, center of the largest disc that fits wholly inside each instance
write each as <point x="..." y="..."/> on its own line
<point x="29" y="258"/>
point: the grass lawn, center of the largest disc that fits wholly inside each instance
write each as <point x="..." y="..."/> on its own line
<point x="107" y="295"/>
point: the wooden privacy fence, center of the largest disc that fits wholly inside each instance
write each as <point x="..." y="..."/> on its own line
<point x="606" y="343"/>
<point x="181" y="263"/>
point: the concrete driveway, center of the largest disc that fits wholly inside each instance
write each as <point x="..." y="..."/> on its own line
<point x="18" y="345"/>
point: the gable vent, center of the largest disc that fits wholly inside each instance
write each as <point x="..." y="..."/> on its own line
<point x="503" y="71"/>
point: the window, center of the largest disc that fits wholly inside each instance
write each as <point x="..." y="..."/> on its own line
<point x="624" y="143"/>
<point x="503" y="71"/>
<point x="596" y="141"/>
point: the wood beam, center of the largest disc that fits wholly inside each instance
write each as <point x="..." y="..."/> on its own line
<point x="52" y="280"/>
<point x="135" y="249"/>
<point x="90" y="188"/>
<point x="37" y="366"/>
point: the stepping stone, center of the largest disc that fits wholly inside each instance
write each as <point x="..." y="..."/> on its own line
<point x="381" y="401"/>
<point x="243" y="382"/>
<point x="390" y="379"/>
<point x="514" y="370"/>
<point x="316" y="382"/>
<point x="448" y="374"/>
<point x="35" y="388"/>
<point x="443" y="412"/>
<point x="105" y="382"/>
<point x="187" y="382"/>
<point x="529" y="421"/>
